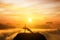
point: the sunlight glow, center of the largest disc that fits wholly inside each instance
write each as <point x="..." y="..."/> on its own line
<point x="29" y="19"/>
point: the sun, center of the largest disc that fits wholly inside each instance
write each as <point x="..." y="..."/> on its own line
<point x="29" y="19"/>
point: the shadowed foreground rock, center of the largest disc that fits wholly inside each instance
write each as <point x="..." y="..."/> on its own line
<point x="29" y="36"/>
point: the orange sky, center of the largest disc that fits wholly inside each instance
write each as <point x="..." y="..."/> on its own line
<point x="18" y="11"/>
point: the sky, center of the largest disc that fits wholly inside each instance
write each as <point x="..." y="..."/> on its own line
<point x="19" y="11"/>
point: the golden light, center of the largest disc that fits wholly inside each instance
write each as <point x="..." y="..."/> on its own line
<point x="29" y="19"/>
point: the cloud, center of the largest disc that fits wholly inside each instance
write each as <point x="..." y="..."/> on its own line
<point x="53" y="35"/>
<point x="7" y="35"/>
<point x="6" y="26"/>
<point x="50" y="35"/>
